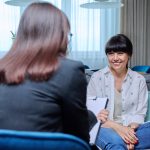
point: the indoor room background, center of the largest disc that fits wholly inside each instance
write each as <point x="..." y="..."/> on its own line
<point x="90" y="28"/>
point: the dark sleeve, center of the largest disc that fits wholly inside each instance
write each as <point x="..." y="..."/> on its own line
<point x="92" y="119"/>
<point x="75" y="114"/>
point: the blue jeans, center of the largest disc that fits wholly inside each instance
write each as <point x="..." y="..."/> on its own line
<point x="108" y="139"/>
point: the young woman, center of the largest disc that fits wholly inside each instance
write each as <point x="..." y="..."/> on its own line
<point x="123" y="119"/>
<point x="41" y="90"/>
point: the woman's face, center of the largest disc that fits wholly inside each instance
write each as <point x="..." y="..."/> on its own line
<point x="118" y="61"/>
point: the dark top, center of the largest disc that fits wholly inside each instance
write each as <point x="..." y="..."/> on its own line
<point x="56" y="105"/>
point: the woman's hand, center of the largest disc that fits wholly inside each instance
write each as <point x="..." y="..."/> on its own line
<point x="103" y="115"/>
<point x="127" y="134"/>
<point x="133" y="125"/>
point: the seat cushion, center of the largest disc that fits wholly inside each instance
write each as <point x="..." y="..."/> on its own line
<point x="148" y="111"/>
<point x="141" y="69"/>
<point x="22" y="140"/>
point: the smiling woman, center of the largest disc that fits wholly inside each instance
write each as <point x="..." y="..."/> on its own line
<point x="118" y="61"/>
<point x="123" y="120"/>
<point x="119" y="50"/>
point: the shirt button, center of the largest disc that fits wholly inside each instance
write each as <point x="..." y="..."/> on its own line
<point x="132" y="104"/>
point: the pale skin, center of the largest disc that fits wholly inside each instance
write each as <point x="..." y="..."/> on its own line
<point x="118" y="65"/>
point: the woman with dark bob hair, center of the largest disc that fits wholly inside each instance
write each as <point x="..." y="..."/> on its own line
<point x="40" y="89"/>
<point x="122" y="121"/>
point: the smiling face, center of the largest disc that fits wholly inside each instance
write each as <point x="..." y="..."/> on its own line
<point x="118" y="50"/>
<point x="118" y="61"/>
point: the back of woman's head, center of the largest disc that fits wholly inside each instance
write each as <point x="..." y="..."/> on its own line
<point x="119" y="43"/>
<point x="41" y="39"/>
<point x="44" y="25"/>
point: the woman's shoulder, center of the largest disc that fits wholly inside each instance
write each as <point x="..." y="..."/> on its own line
<point x="100" y="72"/>
<point x="136" y="75"/>
<point x="70" y="67"/>
<point x="68" y="72"/>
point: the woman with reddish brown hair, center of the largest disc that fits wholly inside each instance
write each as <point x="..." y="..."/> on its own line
<point x="40" y="89"/>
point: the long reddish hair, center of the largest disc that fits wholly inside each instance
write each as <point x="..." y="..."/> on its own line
<point x="41" y="39"/>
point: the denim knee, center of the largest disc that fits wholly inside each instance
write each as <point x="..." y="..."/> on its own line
<point x="113" y="146"/>
<point x="108" y="139"/>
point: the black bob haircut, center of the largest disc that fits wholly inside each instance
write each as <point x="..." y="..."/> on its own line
<point x="119" y="43"/>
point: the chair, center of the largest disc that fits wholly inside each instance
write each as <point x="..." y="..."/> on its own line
<point x="28" y="140"/>
<point x="141" y="69"/>
<point x="148" y="110"/>
<point x="86" y="67"/>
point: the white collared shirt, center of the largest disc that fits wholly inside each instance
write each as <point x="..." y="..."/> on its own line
<point x="134" y="94"/>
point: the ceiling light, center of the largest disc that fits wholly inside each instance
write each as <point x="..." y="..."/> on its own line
<point x="20" y="2"/>
<point x="101" y="4"/>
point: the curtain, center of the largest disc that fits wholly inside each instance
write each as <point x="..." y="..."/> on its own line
<point x="90" y="30"/>
<point x="135" y="22"/>
<point x="9" y="17"/>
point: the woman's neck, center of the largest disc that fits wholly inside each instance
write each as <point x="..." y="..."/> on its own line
<point x="119" y="73"/>
<point x="119" y="77"/>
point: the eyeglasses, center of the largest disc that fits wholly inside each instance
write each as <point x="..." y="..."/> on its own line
<point x="69" y="47"/>
<point x="70" y="37"/>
